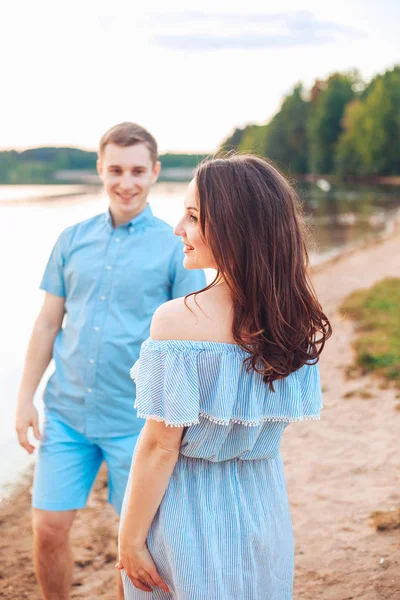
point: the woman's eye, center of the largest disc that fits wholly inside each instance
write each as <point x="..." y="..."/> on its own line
<point x="193" y="219"/>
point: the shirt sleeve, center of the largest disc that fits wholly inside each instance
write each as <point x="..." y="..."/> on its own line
<point x="53" y="278"/>
<point x="184" y="281"/>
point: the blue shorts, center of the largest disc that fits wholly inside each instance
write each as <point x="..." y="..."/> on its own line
<point x="68" y="463"/>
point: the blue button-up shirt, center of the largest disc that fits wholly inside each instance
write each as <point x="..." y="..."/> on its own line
<point x="112" y="279"/>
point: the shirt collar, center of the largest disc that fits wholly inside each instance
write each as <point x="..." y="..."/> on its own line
<point x="141" y="219"/>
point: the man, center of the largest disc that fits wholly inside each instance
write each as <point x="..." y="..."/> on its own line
<point x="106" y="276"/>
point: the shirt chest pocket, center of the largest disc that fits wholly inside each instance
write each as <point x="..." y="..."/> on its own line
<point x="135" y="288"/>
<point x="82" y="276"/>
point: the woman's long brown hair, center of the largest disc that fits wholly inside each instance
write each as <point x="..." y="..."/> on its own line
<point x="251" y="220"/>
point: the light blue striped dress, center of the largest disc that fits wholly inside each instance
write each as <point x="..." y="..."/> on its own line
<point x="223" y="529"/>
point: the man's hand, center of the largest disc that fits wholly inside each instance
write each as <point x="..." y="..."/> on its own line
<point x="38" y="357"/>
<point x="27" y="416"/>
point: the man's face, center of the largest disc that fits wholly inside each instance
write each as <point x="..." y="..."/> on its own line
<point x="128" y="174"/>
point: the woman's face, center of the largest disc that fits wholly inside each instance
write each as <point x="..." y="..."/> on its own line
<point x="197" y="254"/>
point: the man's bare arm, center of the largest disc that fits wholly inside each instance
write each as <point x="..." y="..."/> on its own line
<point x="38" y="357"/>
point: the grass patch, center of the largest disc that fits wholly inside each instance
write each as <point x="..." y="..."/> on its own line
<point x="383" y="520"/>
<point x="363" y="394"/>
<point x="377" y="314"/>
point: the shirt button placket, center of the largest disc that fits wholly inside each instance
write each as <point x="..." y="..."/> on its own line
<point x="93" y="420"/>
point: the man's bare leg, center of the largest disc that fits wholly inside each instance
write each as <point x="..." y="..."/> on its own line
<point x="52" y="554"/>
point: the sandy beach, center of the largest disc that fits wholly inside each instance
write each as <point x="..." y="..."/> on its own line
<point x="338" y="471"/>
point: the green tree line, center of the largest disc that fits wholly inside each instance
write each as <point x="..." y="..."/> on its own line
<point x="44" y="165"/>
<point x="341" y="126"/>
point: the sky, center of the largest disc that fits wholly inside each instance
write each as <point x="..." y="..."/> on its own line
<point x="190" y="72"/>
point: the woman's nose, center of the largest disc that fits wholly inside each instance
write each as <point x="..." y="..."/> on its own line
<point x="179" y="229"/>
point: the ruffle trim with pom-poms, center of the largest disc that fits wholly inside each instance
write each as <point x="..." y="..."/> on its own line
<point x="227" y="423"/>
<point x="161" y="420"/>
<point x="258" y="422"/>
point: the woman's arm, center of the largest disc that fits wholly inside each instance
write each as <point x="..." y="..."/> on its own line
<point x="155" y="460"/>
<point x="154" y="463"/>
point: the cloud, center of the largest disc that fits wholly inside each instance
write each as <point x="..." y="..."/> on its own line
<point x="239" y="42"/>
<point x="240" y="18"/>
<point x="250" y="31"/>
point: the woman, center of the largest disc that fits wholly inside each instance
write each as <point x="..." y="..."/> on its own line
<point x="224" y="371"/>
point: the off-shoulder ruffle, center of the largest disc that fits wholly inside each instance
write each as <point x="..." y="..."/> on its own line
<point x="181" y="381"/>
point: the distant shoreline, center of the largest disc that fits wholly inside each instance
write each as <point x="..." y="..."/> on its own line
<point x="185" y="174"/>
<point x="55" y="191"/>
<point x="368" y="179"/>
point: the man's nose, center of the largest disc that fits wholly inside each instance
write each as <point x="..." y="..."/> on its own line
<point x="127" y="182"/>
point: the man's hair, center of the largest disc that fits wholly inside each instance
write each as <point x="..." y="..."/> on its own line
<point x="129" y="134"/>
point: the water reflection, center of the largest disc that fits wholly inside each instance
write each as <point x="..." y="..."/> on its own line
<point x="343" y="216"/>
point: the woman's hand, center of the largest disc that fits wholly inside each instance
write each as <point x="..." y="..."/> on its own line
<point x="140" y="568"/>
<point x="155" y="459"/>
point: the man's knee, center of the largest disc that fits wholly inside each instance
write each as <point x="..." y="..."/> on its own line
<point x="51" y="528"/>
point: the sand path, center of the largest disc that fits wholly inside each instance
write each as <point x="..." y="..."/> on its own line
<point x="341" y="469"/>
<point x="338" y="471"/>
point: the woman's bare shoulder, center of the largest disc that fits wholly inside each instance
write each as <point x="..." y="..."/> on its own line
<point x="175" y="320"/>
<point x="203" y="317"/>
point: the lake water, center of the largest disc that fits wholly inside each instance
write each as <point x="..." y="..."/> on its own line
<point x="32" y="217"/>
